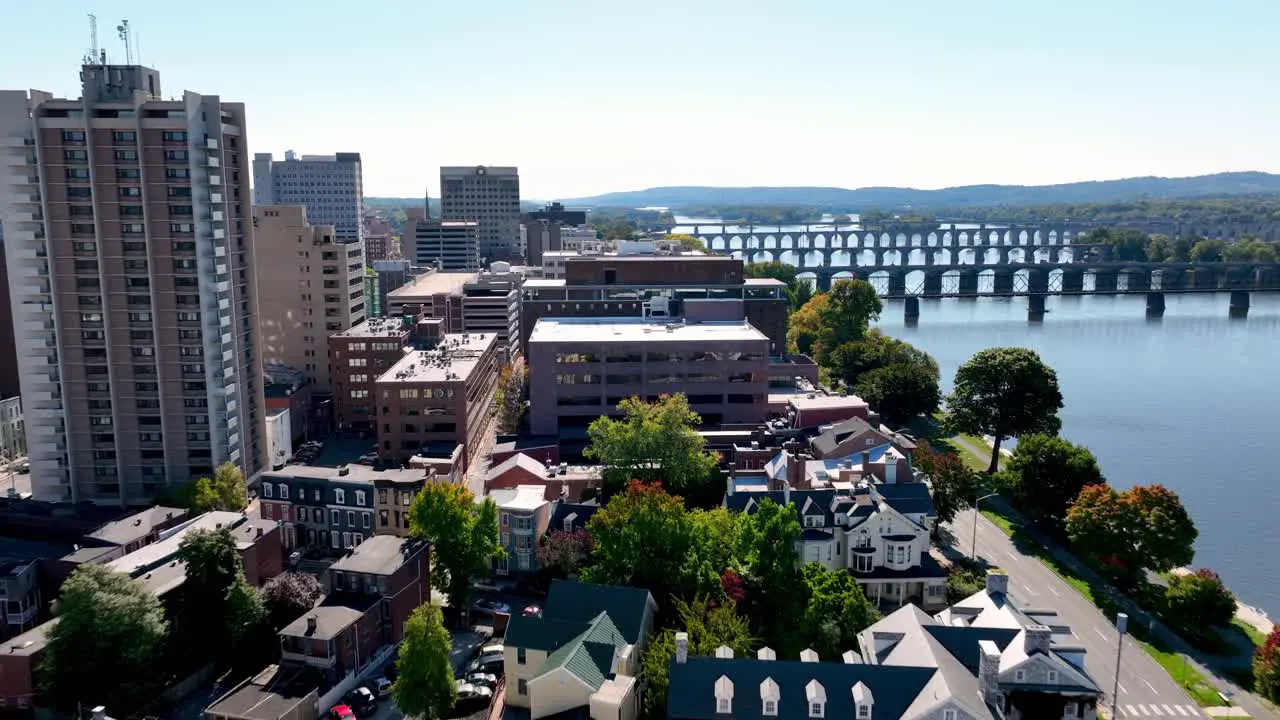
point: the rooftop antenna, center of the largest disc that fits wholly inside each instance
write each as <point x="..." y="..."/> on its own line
<point x="123" y="29"/>
<point x="92" y="57"/>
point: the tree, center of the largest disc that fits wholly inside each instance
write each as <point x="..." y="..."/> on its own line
<point x="424" y="686"/>
<point x="836" y="610"/>
<point x="804" y="328"/>
<point x="1005" y="392"/>
<point x="900" y="392"/>
<point x="1198" y="600"/>
<point x="509" y="396"/>
<point x="1165" y="249"/>
<point x="106" y="647"/>
<point x="799" y="290"/>
<point x="1143" y="527"/>
<point x="1266" y="667"/>
<point x="952" y="484"/>
<point x="768" y="541"/>
<point x="1047" y="472"/>
<point x="1168" y="534"/>
<point x="463" y="534"/>
<point x="709" y="627"/>
<point x="224" y="491"/>
<point x="289" y="595"/>
<point x="1208" y="251"/>
<point x="851" y="360"/>
<point x="563" y="552"/>
<point x="655" y="442"/>
<point x="688" y="243"/>
<point x="641" y="538"/>
<point x="1249" y="249"/>
<point x="1125" y="244"/>
<point x="834" y="318"/>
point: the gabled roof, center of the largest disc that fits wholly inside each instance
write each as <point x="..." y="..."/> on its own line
<point x="575" y="601"/>
<point x="962" y="643"/>
<point x="535" y="633"/>
<point x="910" y="498"/>
<point x="581" y="511"/>
<point x="518" y="460"/>
<point x="589" y="654"/>
<point x="827" y="441"/>
<point x="691" y="684"/>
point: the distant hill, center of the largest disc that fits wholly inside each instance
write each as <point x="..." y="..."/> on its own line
<point x="891" y="198"/>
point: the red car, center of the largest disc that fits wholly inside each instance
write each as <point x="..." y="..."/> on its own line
<point x="341" y="712"/>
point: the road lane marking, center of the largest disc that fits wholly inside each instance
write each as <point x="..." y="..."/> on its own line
<point x="1055" y="592"/>
<point x="1122" y="690"/>
<point x="1180" y="710"/>
<point x="1155" y="710"/>
<point x="1029" y="590"/>
<point x="1129" y="710"/>
<point x="1100" y="633"/>
<point x="1167" y="709"/>
<point x="1006" y="552"/>
<point x="1153" y="689"/>
<point x="1143" y="708"/>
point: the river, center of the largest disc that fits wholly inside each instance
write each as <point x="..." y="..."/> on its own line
<point x="1190" y="401"/>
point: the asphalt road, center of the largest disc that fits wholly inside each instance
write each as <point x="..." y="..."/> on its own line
<point x="1146" y="690"/>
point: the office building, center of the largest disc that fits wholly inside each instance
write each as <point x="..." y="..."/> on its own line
<point x="442" y="244"/>
<point x="545" y="230"/>
<point x="8" y="347"/>
<point x="330" y="187"/>
<point x="581" y="368"/>
<point x="130" y="262"/>
<point x="356" y="358"/>
<point x="310" y="284"/>
<point x="485" y="302"/>
<point x="490" y="196"/>
<point x="392" y="275"/>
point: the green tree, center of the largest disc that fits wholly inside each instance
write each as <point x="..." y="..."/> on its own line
<point x="851" y="360"/>
<point x="836" y="610"/>
<point x="710" y="626"/>
<point x="1143" y="527"/>
<point x="769" y="539"/>
<point x="834" y="318"/>
<point x="1249" y="249"/>
<point x="688" y="243"/>
<point x="510" y="394"/>
<point x="1266" y="667"/>
<point x="952" y="484"/>
<point x="1165" y="249"/>
<point x="107" y="646"/>
<point x="1046" y="473"/>
<point x="562" y="553"/>
<point x="655" y="442"/>
<point x="799" y="290"/>
<point x="1168" y="534"/>
<point x="1199" y="600"/>
<point x="217" y="600"/>
<point x="804" y="329"/>
<point x="224" y="491"/>
<point x="1004" y="392"/>
<point x="1124" y="244"/>
<point x="900" y="393"/>
<point x="714" y="548"/>
<point x="288" y="595"/>
<point x="641" y="538"/>
<point x="1208" y="251"/>
<point x="424" y="686"/>
<point x="463" y="534"/>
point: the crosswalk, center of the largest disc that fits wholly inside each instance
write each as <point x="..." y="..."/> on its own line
<point x="1160" y="711"/>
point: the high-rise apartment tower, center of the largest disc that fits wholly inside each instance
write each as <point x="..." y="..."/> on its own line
<point x="130" y="256"/>
<point x="490" y="196"/>
<point x="330" y="187"/>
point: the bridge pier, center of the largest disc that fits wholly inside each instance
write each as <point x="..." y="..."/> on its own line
<point x="911" y="311"/>
<point x="897" y="284"/>
<point x="1072" y="281"/>
<point x="1003" y="282"/>
<point x="1105" y="282"/>
<point x="1035" y="308"/>
<point x="1239" y="308"/>
<point x="932" y="284"/>
<point x="968" y="283"/>
<point x="1155" y="304"/>
<point x="823" y="282"/>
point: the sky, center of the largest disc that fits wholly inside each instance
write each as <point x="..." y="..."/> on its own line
<point x="588" y="96"/>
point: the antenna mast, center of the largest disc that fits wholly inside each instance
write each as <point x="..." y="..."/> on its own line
<point x="123" y="29"/>
<point x="92" y="57"/>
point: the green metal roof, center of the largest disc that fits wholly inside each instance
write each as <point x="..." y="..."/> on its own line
<point x="589" y="656"/>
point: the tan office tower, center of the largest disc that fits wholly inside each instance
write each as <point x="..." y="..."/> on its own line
<point x="310" y="286"/>
<point x="130" y="267"/>
<point x="489" y="196"/>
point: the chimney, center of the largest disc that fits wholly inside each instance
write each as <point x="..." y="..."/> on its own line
<point x="766" y="653"/>
<point x="795" y="471"/>
<point x="997" y="582"/>
<point x="724" y="652"/>
<point x="312" y="621"/>
<point x="100" y="713"/>
<point x="863" y="702"/>
<point x="866" y="463"/>
<point x="988" y="672"/>
<point x="1037" y="638"/>
<point x="343" y="470"/>
<point x="682" y="647"/>
<point x="259" y="532"/>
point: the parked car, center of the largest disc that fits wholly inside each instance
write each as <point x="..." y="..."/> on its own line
<point x="493" y="649"/>
<point x="488" y="664"/>
<point x="488" y="680"/>
<point x="531" y="611"/>
<point x="368" y="459"/>
<point x="489" y="607"/>
<point x="483" y="586"/>
<point x="382" y="687"/>
<point x="471" y="699"/>
<point x="362" y="701"/>
<point x="341" y="712"/>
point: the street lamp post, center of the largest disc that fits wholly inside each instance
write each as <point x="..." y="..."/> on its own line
<point x="1122" y="624"/>
<point x="973" y="546"/>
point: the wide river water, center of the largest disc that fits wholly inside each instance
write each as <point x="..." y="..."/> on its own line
<point x="1191" y="401"/>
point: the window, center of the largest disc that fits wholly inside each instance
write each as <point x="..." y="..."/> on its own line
<point x="124" y="136"/>
<point x="366" y="520"/>
<point x="863" y="562"/>
<point x="722" y="706"/>
<point x="770" y="707"/>
<point x="815" y="710"/>
<point x="1053" y="677"/>
<point x="1069" y="710"/>
<point x="864" y="711"/>
<point x="127" y="155"/>
<point x="812" y="521"/>
<point x="340" y="496"/>
<point x="335" y="517"/>
<point x="360" y="498"/>
<point x="333" y="540"/>
<point x="351" y="518"/>
<point x="284" y="491"/>
<point x="346" y="540"/>
<point x="948" y="714"/>
<point x="266" y="489"/>
<point x="521" y="656"/>
<point x="1019" y="676"/>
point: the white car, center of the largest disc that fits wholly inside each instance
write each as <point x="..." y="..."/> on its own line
<point x="382" y="686"/>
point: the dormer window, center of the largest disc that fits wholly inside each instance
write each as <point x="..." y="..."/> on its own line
<point x="340" y="496"/>
<point x="771" y="707"/>
<point x="266" y="489"/>
<point x="817" y="698"/>
<point x="284" y="491"/>
<point x="864" y="712"/>
<point x="722" y="705"/>
<point x="811" y="521"/>
<point x="948" y="714"/>
<point x="769" y="696"/>
<point x="1019" y="676"/>
<point x="815" y="710"/>
<point x="724" y="695"/>
<point x="1053" y="677"/>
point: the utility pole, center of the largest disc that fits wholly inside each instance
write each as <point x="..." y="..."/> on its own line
<point x="1122" y="624"/>
<point x="973" y="546"/>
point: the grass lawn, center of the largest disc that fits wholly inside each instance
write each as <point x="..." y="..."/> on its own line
<point x="1255" y="635"/>
<point x="1191" y="680"/>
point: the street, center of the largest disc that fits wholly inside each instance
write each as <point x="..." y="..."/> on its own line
<point x="1146" y="690"/>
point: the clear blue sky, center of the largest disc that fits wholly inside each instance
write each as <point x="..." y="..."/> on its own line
<point x="593" y="96"/>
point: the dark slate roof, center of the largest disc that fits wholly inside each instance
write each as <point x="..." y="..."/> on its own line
<point x="542" y="634"/>
<point x="816" y="534"/>
<point x="907" y="498"/>
<point x="828" y="441"/>
<point x="691" y="688"/>
<point x="929" y="568"/>
<point x="962" y="642"/>
<point x="563" y="510"/>
<point x="579" y="602"/>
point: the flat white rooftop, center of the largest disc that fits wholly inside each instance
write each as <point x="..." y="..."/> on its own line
<point x="824" y="402"/>
<point x="452" y="360"/>
<point x="433" y="283"/>
<point x="638" y="329"/>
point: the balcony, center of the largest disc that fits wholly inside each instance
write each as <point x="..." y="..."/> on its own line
<point x="312" y="660"/>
